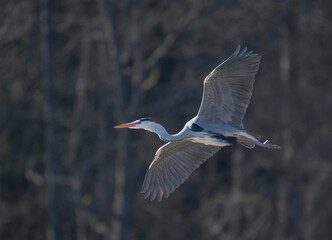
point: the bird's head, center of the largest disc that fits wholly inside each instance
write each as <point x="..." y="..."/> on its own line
<point x="143" y="123"/>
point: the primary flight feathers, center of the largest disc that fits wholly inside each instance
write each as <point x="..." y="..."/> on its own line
<point x="226" y="96"/>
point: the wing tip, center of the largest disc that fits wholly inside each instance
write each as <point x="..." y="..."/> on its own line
<point x="154" y="195"/>
<point x="244" y="52"/>
<point x="237" y="50"/>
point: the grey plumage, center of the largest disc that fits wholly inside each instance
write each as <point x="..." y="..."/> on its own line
<point x="169" y="171"/>
<point x="226" y="95"/>
<point x="228" y="89"/>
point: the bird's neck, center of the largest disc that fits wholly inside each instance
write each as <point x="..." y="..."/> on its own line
<point x="162" y="133"/>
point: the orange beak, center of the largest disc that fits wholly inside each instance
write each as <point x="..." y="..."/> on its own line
<point x="127" y="125"/>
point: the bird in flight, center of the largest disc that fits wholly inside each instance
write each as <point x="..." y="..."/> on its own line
<point x="226" y="95"/>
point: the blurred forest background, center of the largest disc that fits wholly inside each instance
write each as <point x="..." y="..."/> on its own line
<point x="71" y="70"/>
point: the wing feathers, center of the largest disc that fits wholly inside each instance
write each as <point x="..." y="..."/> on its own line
<point x="172" y="165"/>
<point x="228" y="89"/>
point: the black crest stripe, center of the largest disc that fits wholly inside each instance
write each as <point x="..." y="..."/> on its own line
<point x="146" y="119"/>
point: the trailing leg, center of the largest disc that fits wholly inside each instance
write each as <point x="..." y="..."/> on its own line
<point x="266" y="144"/>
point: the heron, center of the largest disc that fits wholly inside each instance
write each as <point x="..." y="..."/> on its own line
<point x="227" y="92"/>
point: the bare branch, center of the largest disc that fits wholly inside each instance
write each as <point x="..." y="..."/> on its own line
<point x="170" y="39"/>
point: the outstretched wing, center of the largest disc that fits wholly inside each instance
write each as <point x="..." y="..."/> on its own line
<point x="228" y="89"/>
<point x="172" y="165"/>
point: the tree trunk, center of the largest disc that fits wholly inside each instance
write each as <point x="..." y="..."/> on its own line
<point x="60" y="200"/>
<point x="281" y="204"/>
<point x="118" y="204"/>
<point x="48" y="110"/>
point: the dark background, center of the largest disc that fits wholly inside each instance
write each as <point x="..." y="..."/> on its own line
<point x="71" y="70"/>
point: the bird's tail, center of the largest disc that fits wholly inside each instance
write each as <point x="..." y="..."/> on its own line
<point x="251" y="136"/>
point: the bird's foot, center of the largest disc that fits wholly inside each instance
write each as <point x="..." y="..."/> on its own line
<point x="269" y="145"/>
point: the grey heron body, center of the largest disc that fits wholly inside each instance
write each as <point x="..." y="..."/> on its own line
<point x="226" y="95"/>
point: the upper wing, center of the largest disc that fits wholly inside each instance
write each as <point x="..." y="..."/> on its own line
<point x="228" y="89"/>
<point x="172" y="165"/>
